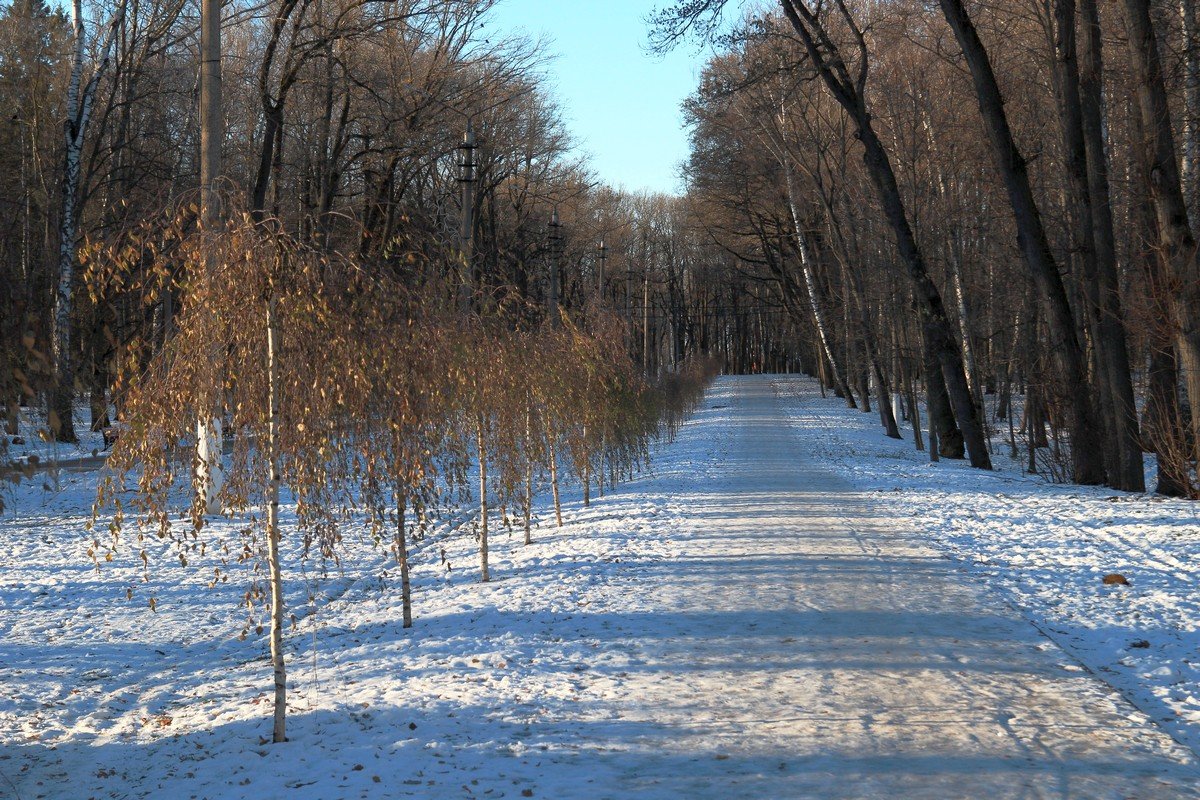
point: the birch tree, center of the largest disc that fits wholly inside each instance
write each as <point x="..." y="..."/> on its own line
<point x="209" y="438"/>
<point x="81" y="96"/>
<point x="292" y="365"/>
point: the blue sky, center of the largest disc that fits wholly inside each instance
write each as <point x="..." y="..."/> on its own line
<point x="620" y="103"/>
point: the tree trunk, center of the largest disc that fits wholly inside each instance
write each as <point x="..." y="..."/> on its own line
<point x="1128" y="473"/>
<point x="945" y="437"/>
<point x="552" y="457"/>
<point x="212" y="114"/>
<point x="1087" y="458"/>
<point x="272" y="123"/>
<point x="79" y="106"/>
<point x="61" y="419"/>
<point x="964" y="319"/>
<point x="1191" y="105"/>
<point x="603" y="459"/>
<point x="934" y="446"/>
<point x="466" y="234"/>
<point x="273" y="563"/>
<point x="1176" y="243"/>
<point x="481" y="448"/>
<point x="402" y="558"/>
<point x="527" y="510"/>
<point x="1034" y="430"/>
<point x="210" y="475"/>
<point x="80" y="99"/>
<point x="586" y="474"/>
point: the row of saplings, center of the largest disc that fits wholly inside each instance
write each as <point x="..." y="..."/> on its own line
<point x="363" y="393"/>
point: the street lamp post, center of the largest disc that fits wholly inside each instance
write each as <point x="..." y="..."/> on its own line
<point x="466" y="235"/>
<point x="601" y="261"/>
<point x="555" y="248"/>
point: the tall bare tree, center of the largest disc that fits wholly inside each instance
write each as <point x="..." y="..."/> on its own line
<point x="81" y="96"/>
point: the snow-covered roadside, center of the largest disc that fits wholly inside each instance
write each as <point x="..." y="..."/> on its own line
<point x="1046" y="548"/>
<point x="100" y="697"/>
<point x="740" y="624"/>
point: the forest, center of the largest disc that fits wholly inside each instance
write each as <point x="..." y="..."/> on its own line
<point x="988" y="206"/>
<point x="415" y="293"/>
<point x="394" y="135"/>
<point x="973" y="202"/>
<point x="305" y="274"/>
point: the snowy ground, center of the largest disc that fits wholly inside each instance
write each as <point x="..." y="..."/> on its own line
<point x="33" y="440"/>
<point x="763" y="617"/>
<point x="1046" y="548"/>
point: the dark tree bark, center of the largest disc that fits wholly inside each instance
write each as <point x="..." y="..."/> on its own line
<point x="1176" y="243"/>
<point x="1162" y="419"/>
<point x="1128" y="472"/>
<point x="1086" y="454"/>
<point x="274" y="100"/>
<point x="946" y="440"/>
<point x="937" y="331"/>
<point x="1081" y="218"/>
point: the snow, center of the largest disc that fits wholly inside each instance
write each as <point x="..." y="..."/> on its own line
<point x="789" y="605"/>
<point x="33" y="439"/>
<point x="1046" y="548"/>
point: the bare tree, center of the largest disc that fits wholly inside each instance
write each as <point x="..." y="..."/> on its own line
<point x="1177" y="243"/>
<point x="81" y="96"/>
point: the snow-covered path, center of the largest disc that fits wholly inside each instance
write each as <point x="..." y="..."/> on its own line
<point x="740" y="624"/>
<point x="817" y="651"/>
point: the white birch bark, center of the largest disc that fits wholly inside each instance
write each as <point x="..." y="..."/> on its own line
<point x="810" y="282"/>
<point x="210" y="476"/>
<point x="964" y="332"/>
<point x="274" y="568"/>
<point x="484" y="575"/>
<point x="80" y="99"/>
<point x="954" y="251"/>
